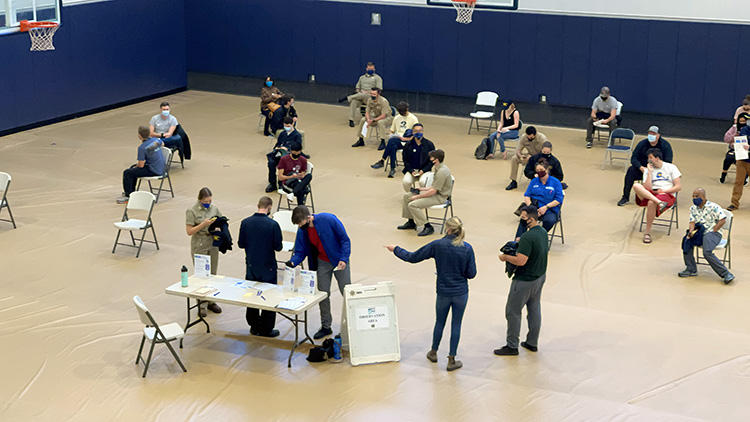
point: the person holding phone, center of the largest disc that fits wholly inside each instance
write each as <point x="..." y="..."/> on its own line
<point x="417" y="161"/>
<point x="198" y="218"/>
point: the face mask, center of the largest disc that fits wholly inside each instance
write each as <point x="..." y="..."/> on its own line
<point x="604" y="98"/>
<point x="305" y="226"/>
<point x="206" y="206"/>
<point x="287" y="128"/>
<point x="697" y="201"/>
<point x="524" y="223"/>
<point x="296" y="156"/>
<point x="546" y="156"/>
<point x="269" y="83"/>
<point x="370" y="71"/>
<point x="165" y="113"/>
<point x="541" y="173"/>
<point x="373" y="97"/>
<point x="651" y="138"/>
<point x="419" y="135"/>
<point x="740" y="126"/>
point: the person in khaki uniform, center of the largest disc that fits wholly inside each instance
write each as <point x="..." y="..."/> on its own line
<point x="378" y="112"/>
<point x="436" y="194"/>
<point x="365" y="83"/>
<point x="198" y="218"/>
<point x="532" y="143"/>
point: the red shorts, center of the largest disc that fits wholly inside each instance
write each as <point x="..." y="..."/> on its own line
<point x="666" y="197"/>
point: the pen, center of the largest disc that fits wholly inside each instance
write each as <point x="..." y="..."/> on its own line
<point x="216" y="294"/>
<point x="261" y="296"/>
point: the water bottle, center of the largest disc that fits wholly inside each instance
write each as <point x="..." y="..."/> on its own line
<point x="336" y="350"/>
<point x="183" y="276"/>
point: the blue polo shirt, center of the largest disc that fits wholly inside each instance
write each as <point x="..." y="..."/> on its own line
<point x="545" y="193"/>
<point x="150" y="152"/>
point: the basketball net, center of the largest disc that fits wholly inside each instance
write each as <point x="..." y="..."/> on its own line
<point x="41" y="34"/>
<point x="464" y="10"/>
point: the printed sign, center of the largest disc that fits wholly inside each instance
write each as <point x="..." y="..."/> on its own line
<point x="309" y="282"/>
<point x="289" y="276"/>
<point x="740" y="153"/>
<point x="372" y="318"/>
<point x="202" y="266"/>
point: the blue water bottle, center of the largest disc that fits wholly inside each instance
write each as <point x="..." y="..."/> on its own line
<point x="183" y="276"/>
<point x="336" y="350"/>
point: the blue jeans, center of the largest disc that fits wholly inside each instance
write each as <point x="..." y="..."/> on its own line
<point x="548" y="220"/>
<point x="442" y="305"/>
<point x="174" y="141"/>
<point x="394" y="144"/>
<point x="501" y="137"/>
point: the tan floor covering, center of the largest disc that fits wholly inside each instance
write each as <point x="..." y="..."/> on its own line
<point x="623" y="338"/>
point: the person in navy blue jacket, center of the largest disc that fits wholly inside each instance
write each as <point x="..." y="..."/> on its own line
<point x="455" y="264"/>
<point x="322" y="239"/>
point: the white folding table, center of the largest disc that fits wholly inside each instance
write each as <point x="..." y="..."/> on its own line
<point x="229" y="292"/>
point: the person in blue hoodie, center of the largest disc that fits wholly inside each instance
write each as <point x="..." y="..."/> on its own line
<point x="322" y="239"/>
<point x="455" y="264"/>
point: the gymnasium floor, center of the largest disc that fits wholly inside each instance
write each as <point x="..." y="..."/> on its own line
<point x="623" y="337"/>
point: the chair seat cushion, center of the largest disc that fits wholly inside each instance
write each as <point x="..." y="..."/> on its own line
<point x="481" y="114"/>
<point x="287" y="246"/>
<point x="132" y="224"/>
<point x="440" y="206"/>
<point x="618" y="148"/>
<point x="171" y="331"/>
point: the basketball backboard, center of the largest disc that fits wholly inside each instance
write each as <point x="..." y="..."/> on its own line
<point x="481" y="4"/>
<point x="12" y="12"/>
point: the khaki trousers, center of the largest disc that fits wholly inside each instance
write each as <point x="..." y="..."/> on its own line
<point x="414" y="209"/>
<point x="515" y="162"/>
<point x="424" y="179"/>
<point x="743" y="168"/>
<point x="355" y="102"/>
<point x="381" y="126"/>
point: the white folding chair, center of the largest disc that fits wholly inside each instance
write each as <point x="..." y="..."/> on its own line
<point x="310" y="203"/>
<point x="167" y="154"/>
<point x="261" y="123"/>
<point x="615" y="148"/>
<point x="156" y="334"/>
<point x="447" y="205"/>
<point x="138" y="201"/>
<point x="284" y="218"/>
<point x="4" y="185"/>
<point x="484" y="109"/>
<point x="601" y="127"/>
<point x="674" y="218"/>
<point x="725" y="244"/>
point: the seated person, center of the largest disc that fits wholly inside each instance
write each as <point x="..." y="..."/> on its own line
<point x="555" y="168"/>
<point x="544" y="192"/>
<point x="401" y="124"/>
<point x="711" y="218"/>
<point x="163" y="126"/>
<point x="532" y="142"/>
<point x="282" y="148"/>
<point x="507" y="128"/>
<point x="661" y="181"/>
<point x="603" y="112"/>
<point x="639" y="159"/>
<point x="377" y="113"/>
<point x="150" y="163"/>
<point x="744" y="108"/>
<point x="365" y="83"/>
<point x="292" y="173"/>
<point x="436" y="194"/>
<point x="269" y="95"/>
<point x="417" y="162"/>
<point x="741" y="122"/>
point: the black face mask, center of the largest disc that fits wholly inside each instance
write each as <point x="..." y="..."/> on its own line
<point x="546" y="156"/>
<point x="740" y="126"/>
<point x="305" y="226"/>
<point x="296" y="156"/>
<point x="525" y="223"/>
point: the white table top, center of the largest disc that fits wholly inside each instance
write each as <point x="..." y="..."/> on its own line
<point x="230" y="293"/>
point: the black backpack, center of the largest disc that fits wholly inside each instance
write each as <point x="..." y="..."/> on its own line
<point x="483" y="149"/>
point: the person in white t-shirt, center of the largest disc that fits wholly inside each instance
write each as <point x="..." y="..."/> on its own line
<point x="163" y="126"/>
<point x="404" y="122"/>
<point x="661" y="181"/>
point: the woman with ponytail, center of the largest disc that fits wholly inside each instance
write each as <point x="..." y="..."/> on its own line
<point x="454" y="260"/>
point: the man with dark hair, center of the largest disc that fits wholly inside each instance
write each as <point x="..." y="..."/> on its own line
<point x="322" y="239"/>
<point x="286" y="110"/>
<point x="163" y="126"/>
<point x="150" y="163"/>
<point x="526" y="287"/>
<point x="743" y="170"/>
<point x="555" y="168"/>
<point x="415" y="203"/>
<point x="603" y="112"/>
<point x="260" y="237"/>
<point x="377" y="113"/>
<point x="417" y="163"/>
<point x="532" y="142"/>
<point x="639" y="159"/>
<point x="283" y="145"/>
<point x="365" y="83"/>
<point x="661" y="181"/>
<point x="292" y="173"/>
<point x="401" y="133"/>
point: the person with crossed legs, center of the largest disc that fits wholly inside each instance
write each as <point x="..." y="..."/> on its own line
<point x="661" y="180"/>
<point x="415" y="203"/>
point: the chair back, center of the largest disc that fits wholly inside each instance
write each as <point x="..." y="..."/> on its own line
<point x="143" y="312"/>
<point x="619" y="108"/>
<point x="487" y="99"/>
<point x="393" y="111"/>
<point x="167" y="154"/>
<point x="142" y="201"/>
<point x="310" y="167"/>
<point x="621" y="133"/>
<point x="284" y="218"/>
<point x="4" y="181"/>
<point x="728" y="224"/>
<point x="453" y="182"/>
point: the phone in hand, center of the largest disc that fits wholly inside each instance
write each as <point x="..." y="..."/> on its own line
<point x="415" y="191"/>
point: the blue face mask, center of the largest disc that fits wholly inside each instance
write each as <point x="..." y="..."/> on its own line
<point x="287" y="128"/>
<point x="269" y="83"/>
<point x="419" y="135"/>
<point x="165" y="113"/>
<point x="697" y="201"/>
<point x="370" y="71"/>
<point x="206" y="206"/>
<point x="651" y="138"/>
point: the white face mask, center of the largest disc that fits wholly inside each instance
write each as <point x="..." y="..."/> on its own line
<point x="651" y="138"/>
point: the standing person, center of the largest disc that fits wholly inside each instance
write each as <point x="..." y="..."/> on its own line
<point x="150" y="163"/>
<point x="603" y="111"/>
<point x="362" y="91"/>
<point x="507" y="128"/>
<point x="744" y="108"/>
<point x="733" y="131"/>
<point x="455" y="264"/>
<point x="164" y="125"/>
<point x="743" y="170"/>
<point x="269" y="95"/>
<point x="526" y="287"/>
<point x="197" y="219"/>
<point x="322" y="239"/>
<point x="260" y="237"/>
<point x="711" y="218"/>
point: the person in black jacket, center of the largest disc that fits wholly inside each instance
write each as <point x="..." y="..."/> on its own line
<point x="416" y="157"/>
<point x="555" y="168"/>
<point x="260" y="237"/>
<point x="639" y="160"/>
<point x="286" y="110"/>
<point x="282" y="148"/>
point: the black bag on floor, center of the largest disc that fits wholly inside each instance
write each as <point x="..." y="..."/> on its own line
<point x="317" y="354"/>
<point x="483" y="149"/>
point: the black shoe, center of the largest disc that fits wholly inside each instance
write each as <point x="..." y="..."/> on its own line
<point x="529" y="347"/>
<point x="213" y="307"/>
<point x="391" y="173"/>
<point x="512" y="185"/>
<point x="622" y="201"/>
<point x="360" y="143"/>
<point x="379" y="165"/>
<point x="728" y="278"/>
<point x="589" y="144"/>
<point x="307" y="156"/>
<point x="731" y="208"/>
<point x="409" y="225"/>
<point x="722" y="178"/>
<point x="382" y="145"/>
<point x="428" y="230"/>
<point x="270" y="188"/>
<point x="341" y="100"/>
<point x="564" y="185"/>
<point x="351" y="123"/>
<point x="323" y="332"/>
<point x="506" y="351"/>
<point x="270" y="334"/>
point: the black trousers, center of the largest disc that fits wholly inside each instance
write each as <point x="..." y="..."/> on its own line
<point x="130" y="177"/>
<point x="261" y="322"/>
<point x="634" y="173"/>
<point x="298" y="187"/>
<point x="273" y="161"/>
<point x="728" y="160"/>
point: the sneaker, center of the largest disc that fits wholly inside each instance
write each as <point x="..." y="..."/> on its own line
<point x="564" y="185"/>
<point x="589" y="144"/>
<point x="622" y="201"/>
<point x="323" y="332"/>
<point x="122" y="200"/>
<point x="428" y="230"/>
<point x="731" y="208"/>
<point x="722" y="178"/>
<point x="213" y="307"/>
<point x="378" y="165"/>
<point x="728" y="278"/>
<point x="506" y="351"/>
<point x="512" y="185"/>
<point x="391" y="173"/>
<point x="453" y="363"/>
<point x="382" y="145"/>
<point x="270" y="188"/>
<point x="360" y="143"/>
<point x="291" y="197"/>
<point x="529" y="347"/>
<point x="351" y="123"/>
<point x="687" y="273"/>
<point x="432" y="356"/>
<point x="409" y="225"/>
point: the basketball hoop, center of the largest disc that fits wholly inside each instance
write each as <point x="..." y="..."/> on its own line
<point x="464" y="10"/>
<point x="41" y="34"/>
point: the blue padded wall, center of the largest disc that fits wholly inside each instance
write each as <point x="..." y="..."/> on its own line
<point x="95" y="63"/>
<point x="678" y="68"/>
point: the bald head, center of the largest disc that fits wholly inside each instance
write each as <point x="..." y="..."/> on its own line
<point x="699" y="194"/>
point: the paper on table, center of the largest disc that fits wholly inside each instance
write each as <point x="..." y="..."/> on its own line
<point x="244" y="284"/>
<point x="289" y="276"/>
<point x="205" y="290"/>
<point x="263" y="286"/>
<point x="309" y="280"/>
<point x="740" y="153"/>
<point x="202" y="265"/>
<point x="292" y="303"/>
<point x="364" y="130"/>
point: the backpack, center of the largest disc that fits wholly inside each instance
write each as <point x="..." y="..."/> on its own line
<point x="483" y="149"/>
